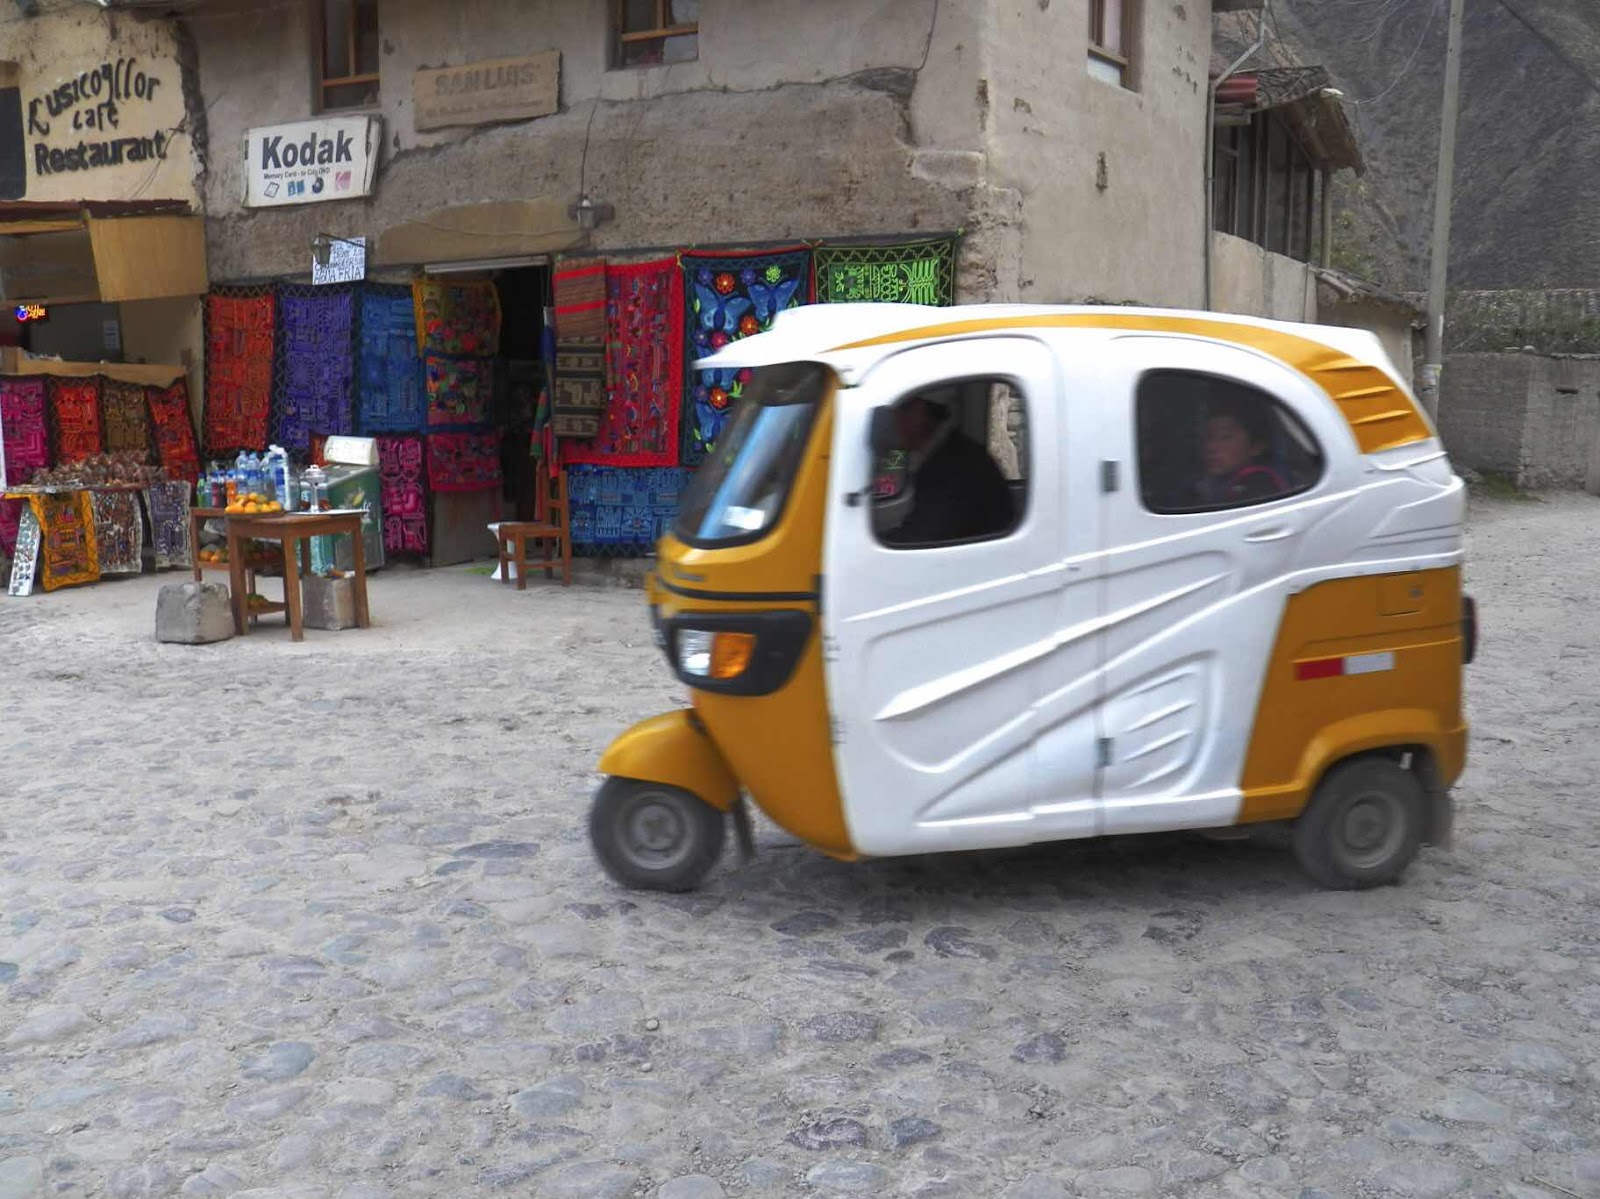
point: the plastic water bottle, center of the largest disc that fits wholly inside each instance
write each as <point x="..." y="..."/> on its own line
<point x="278" y="476"/>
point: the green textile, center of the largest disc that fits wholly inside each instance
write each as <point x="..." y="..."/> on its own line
<point x="918" y="272"/>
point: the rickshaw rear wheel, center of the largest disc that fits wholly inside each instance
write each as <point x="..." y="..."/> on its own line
<point x="1363" y="826"/>
<point x="653" y="837"/>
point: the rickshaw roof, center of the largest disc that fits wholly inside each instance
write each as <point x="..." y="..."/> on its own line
<point x="1349" y="365"/>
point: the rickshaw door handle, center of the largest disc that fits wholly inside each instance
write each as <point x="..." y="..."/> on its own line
<point x="1276" y="533"/>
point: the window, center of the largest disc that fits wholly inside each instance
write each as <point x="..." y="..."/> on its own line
<point x="1266" y="185"/>
<point x="649" y="32"/>
<point x="1111" y="28"/>
<point x="738" y="494"/>
<point x="349" y="53"/>
<point x="1207" y="443"/>
<point x="961" y="473"/>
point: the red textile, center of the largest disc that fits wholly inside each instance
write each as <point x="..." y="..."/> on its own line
<point x="23" y="407"/>
<point x="464" y="461"/>
<point x="644" y="369"/>
<point x="75" y="419"/>
<point x="239" y="354"/>
<point x="174" y="430"/>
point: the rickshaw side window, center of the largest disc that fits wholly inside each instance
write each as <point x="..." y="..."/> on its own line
<point x="1209" y="443"/>
<point x="739" y="493"/>
<point x="960" y="474"/>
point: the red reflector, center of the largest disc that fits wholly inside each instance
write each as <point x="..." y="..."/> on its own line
<point x="1321" y="668"/>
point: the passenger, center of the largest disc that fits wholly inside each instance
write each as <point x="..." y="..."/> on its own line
<point x="957" y="491"/>
<point x="1236" y="440"/>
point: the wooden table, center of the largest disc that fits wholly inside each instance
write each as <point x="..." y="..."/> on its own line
<point x="294" y="533"/>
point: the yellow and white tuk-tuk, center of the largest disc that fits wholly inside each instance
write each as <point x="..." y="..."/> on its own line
<point x="981" y="577"/>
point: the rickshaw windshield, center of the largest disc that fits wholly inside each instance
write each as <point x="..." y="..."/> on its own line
<point x="738" y="494"/>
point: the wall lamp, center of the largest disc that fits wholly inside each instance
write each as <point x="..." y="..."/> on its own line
<point x="590" y="214"/>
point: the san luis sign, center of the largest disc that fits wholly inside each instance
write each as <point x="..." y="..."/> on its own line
<point x="331" y="159"/>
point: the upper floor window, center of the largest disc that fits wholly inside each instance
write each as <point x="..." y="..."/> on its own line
<point x="1111" y="40"/>
<point x="648" y="32"/>
<point x="348" y="75"/>
<point x="1266" y="185"/>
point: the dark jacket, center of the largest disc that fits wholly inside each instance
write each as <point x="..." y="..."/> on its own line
<point x="957" y="493"/>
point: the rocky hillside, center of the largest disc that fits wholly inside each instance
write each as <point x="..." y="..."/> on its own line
<point x="1527" y="200"/>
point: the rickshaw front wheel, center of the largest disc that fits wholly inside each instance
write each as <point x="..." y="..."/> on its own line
<point x="653" y="837"/>
<point x="1363" y="826"/>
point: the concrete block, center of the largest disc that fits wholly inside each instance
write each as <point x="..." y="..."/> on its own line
<point x="328" y="603"/>
<point x="193" y="614"/>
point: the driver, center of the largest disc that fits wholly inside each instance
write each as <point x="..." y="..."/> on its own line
<point x="957" y="491"/>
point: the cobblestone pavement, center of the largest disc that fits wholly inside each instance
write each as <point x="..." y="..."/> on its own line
<point x="321" y="921"/>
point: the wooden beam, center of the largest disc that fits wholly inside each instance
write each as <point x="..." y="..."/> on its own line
<point x="24" y="228"/>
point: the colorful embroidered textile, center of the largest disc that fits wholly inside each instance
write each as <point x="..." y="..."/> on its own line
<point x="67" y="551"/>
<point x="390" y="375"/>
<point x="580" y="300"/>
<point x="644" y="369"/>
<point x="239" y="367"/>
<point x="26" y="428"/>
<point x="125" y="420"/>
<point x="174" y="430"/>
<point x="316" y="364"/>
<point x="168" y="502"/>
<point x="456" y="318"/>
<point x="404" y="495"/>
<point x="118" y="531"/>
<point x="75" y="420"/>
<point x="580" y="396"/>
<point x="918" y="272"/>
<point x="10" y="520"/>
<point x="460" y="391"/>
<point x="729" y="297"/>
<point x="623" y="507"/>
<point x="463" y="461"/>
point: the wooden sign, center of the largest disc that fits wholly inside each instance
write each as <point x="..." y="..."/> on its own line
<point x="482" y="93"/>
<point x="26" y="558"/>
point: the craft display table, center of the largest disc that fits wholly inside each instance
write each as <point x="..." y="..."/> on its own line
<point x="294" y="533"/>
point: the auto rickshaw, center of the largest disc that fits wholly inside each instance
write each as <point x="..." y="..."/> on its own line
<point x="980" y="577"/>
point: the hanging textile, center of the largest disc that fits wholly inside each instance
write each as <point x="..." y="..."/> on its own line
<point x="580" y="396"/>
<point x="239" y="367"/>
<point x="580" y="300"/>
<point x="464" y="461"/>
<point x="913" y="272"/>
<point x="390" y="373"/>
<point x="125" y="419"/>
<point x="456" y="318"/>
<point x="75" y="432"/>
<point x="118" y="531"/>
<point x="460" y="391"/>
<point x="24" y="427"/>
<point x="727" y="297"/>
<point x="67" y="551"/>
<point x="173" y="430"/>
<point x="644" y="369"/>
<point x="316" y="364"/>
<point x="623" y="508"/>
<point x="168" y="503"/>
<point x="405" y="495"/>
<point x="10" y="520"/>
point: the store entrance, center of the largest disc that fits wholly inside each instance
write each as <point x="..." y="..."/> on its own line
<point x="520" y="378"/>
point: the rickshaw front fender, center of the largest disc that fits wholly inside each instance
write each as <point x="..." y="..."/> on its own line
<point x="674" y="750"/>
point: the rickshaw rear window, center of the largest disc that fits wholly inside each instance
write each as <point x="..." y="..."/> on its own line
<point x="739" y="492"/>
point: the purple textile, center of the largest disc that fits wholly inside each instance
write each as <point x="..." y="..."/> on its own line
<point x="316" y="365"/>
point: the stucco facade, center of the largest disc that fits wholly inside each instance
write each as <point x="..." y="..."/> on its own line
<point x="836" y="118"/>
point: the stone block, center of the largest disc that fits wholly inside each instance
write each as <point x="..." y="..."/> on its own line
<point x="328" y="603"/>
<point x="193" y="614"/>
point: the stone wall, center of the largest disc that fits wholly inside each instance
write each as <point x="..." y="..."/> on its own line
<point x="1552" y="321"/>
<point x="1534" y="418"/>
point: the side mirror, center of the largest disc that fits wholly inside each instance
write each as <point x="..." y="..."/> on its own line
<point x="883" y="434"/>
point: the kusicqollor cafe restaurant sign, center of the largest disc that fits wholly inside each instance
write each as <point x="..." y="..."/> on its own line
<point x="92" y="120"/>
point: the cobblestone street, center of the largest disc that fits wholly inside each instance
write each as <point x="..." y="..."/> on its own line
<point x="320" y="921"/>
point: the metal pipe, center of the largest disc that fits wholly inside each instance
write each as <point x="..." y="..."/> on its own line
<point x="1327" y="218"/>
<point x="1211" y="141"/>
<point x="1439" y="254"/>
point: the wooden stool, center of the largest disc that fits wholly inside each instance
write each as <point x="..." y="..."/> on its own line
<point x="550" y="530"/>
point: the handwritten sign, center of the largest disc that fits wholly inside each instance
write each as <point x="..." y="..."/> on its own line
<point x="347" y="262"/>
<point x="482" y="93"/>
<point x="84" y="118"/>
<point x="310" y="161"/>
